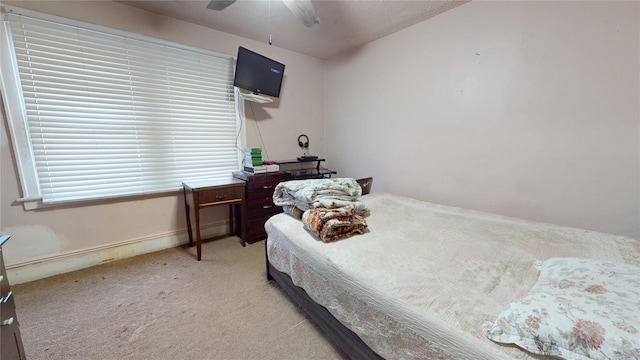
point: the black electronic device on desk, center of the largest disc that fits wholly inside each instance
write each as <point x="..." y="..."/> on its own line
<point x="303" y="142"/>
<point x="298" y="169"/>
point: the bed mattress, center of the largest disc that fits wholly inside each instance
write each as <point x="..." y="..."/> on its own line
<point x="425" y="277"/>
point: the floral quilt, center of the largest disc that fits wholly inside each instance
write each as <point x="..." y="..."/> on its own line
<point x="334" y="224"/>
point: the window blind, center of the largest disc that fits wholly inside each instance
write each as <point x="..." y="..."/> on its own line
<point x="111" y="116"/>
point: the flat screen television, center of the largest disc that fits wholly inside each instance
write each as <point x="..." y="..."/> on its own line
<point x="258" y="73"/>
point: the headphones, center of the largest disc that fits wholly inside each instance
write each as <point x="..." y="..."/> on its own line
<point x="303" y="144"/>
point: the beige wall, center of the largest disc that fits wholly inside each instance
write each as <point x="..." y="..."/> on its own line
<point x="529" y="109"/>
<point x="58" y="232"/>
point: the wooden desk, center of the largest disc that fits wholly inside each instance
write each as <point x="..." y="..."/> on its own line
<point x="204" y="193"/>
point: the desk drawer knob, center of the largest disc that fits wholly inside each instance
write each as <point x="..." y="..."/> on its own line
<point x="221" y="197"/>
<point x="7" y="322"/>
<point x="6" y="298"/>
<point x="267" y="206"/>
<point x="267" y="186"/>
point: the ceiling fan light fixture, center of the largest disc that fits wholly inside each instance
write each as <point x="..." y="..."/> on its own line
<point x="304" y="10"/>
<point x="219" y="4"/>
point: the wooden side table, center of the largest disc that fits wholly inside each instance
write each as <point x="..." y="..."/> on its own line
<point x="10" y="340"/>
<point x="204" y="193"/>
<point x="258" y="202"/>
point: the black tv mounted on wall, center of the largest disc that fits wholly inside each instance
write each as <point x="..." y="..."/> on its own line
<point x="257" y="73"/>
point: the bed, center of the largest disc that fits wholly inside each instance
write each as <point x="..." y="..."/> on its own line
<point x="427" y="281"/>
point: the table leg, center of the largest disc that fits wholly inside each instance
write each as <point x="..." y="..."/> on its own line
<point x="236" y="214"/>
<point x="232" y="223"/>
<point x="242" y="223"/>
<point x="188" y="210"/>
<point x="198" y="238"/>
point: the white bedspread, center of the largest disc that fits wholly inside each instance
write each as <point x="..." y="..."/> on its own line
<point x="423" y="280"/>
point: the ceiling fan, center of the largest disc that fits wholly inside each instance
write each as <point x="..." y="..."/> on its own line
<point x="302" y="8"/>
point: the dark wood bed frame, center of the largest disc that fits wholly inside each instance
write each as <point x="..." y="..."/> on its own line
<point x="340" y="335"/>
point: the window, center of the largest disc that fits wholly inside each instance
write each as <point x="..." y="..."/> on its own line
<point x="94" y="114"/>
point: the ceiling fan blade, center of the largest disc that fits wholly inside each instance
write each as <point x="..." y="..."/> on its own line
<point x="219" y="4"/>
<point x="304" y="10"/>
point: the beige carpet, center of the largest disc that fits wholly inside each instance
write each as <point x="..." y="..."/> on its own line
<point x="167" y="305"/>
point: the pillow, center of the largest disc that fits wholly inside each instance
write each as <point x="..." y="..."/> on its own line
<point x="578" y="309"/>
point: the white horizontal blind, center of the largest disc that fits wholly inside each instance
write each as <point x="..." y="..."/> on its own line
<point x="112" y="116"/>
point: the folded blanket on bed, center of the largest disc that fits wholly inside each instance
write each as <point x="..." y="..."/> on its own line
<point x="320" y="193"/>
<point x="333" y="224"/>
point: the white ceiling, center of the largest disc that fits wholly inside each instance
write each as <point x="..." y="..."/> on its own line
<point x="344" y="24"/>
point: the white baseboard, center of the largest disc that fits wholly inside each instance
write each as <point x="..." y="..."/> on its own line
<point x="42" y="267"/>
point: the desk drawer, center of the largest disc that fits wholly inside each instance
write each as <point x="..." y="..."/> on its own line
<point x="260" y="195"/>
<point x="210" y="196"/>
<point x="264" y="182"/>
<point x="262" y="208"/>
<point x="255" y="230"/>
